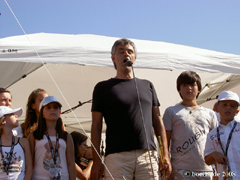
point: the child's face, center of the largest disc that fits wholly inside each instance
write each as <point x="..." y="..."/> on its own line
<point x="82" y="148"/>
<point x="11" y="120"/>
<point x="189" y="91"/>
<point x="39" y="98"/>
<point x="227" y="110"/>
<point x="51" y="111"/>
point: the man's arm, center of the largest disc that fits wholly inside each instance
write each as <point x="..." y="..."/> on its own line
<point x="160" y="131"/>
<point x="96" y="131"/>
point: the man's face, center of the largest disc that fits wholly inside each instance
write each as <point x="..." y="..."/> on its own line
<point x="123" y="53"/>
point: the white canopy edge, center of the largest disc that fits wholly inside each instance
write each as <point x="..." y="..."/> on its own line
<point x="94" y="50"/>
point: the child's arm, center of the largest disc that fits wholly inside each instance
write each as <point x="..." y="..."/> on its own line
<point x="70" y="158"/>
<point x="28" y="159"/>
<point x="31" y="140"/>
<point x="84" y="174"/>
<point x="215" y="157"/>
<point x="211" y="155"/>
<point x="168" y="134"/>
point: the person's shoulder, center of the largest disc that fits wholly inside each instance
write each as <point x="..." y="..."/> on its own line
<point x="207" y="111"/>
<point x="238" y="122"/>
<point x="105" y="83"/>
<point x="210" y="115"/>
<point x="31" y="136"/>
<point x="69" y="138"/>
<point x="24" y="142"/>
<point x="212" y="133"/>
<point x="143" y="80"/>
<point x="23" y="139"/>
<point x="173" y="110"/>
<point x="176" y="107"/>
<point x="68" y="135"/>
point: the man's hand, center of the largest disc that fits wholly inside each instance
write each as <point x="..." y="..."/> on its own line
<point x="97" y="171"/>
<point x="166" y="167"/>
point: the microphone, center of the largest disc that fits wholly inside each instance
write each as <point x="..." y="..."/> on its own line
<point x="129" y="63"/>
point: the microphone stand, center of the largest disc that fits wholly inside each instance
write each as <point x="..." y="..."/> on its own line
<point x="130" y="63"/>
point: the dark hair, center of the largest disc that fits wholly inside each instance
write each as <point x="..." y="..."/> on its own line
<point x="42" y="127"/>
<point x="31" y="116"/>
<point x="189" y="77"/>
<point x="78" y="138"/>
<point x="123" y="41"/>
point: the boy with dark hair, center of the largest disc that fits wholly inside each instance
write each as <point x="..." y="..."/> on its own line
<point x="187" y="125"/>
<point x="222" y="146"/>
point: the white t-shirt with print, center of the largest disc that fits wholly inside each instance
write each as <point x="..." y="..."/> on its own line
<point x="189" y="133"/>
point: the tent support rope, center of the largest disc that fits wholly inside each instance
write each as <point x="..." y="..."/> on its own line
<point x="59" y="89"/>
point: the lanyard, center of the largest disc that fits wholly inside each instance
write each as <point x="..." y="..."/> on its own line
<point x="54" y="154"/>
<point x="6" y="164"/>
<point x="229" y="139"/>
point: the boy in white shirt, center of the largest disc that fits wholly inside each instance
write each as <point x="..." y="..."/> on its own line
<point x="223" y="143"/>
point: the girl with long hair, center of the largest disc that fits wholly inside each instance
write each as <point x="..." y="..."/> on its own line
<point x="83" y="163"/>
<point x="15" y="162"/>
<point x="32" y="111"/>
<point x="51" y="146"/>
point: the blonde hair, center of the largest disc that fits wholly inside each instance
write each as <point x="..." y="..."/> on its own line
<point x="1" y="126"/>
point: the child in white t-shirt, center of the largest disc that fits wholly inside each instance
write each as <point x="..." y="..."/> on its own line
<point x="223" y="143"/>
<point x="51" y="146"/>
<point x="187" y="125"/>
<point x="15" y="159"/>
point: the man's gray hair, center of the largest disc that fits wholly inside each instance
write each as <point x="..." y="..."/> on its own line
<point x="123" y="41"/>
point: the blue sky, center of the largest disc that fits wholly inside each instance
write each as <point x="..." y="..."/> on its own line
<point x="208" y="24"/>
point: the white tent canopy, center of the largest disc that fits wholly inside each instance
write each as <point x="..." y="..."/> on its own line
<point x="69" y="66"/>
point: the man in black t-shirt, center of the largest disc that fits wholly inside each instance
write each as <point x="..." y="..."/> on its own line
<point x="130" y="124"/>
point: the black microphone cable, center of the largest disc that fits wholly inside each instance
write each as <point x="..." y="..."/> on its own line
<point x="130" y="63"/>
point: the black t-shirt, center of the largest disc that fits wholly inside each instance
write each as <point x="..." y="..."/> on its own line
<point x="117" y="100"/>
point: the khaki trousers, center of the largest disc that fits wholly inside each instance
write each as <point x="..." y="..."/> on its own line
<point x="131" y="165"/>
